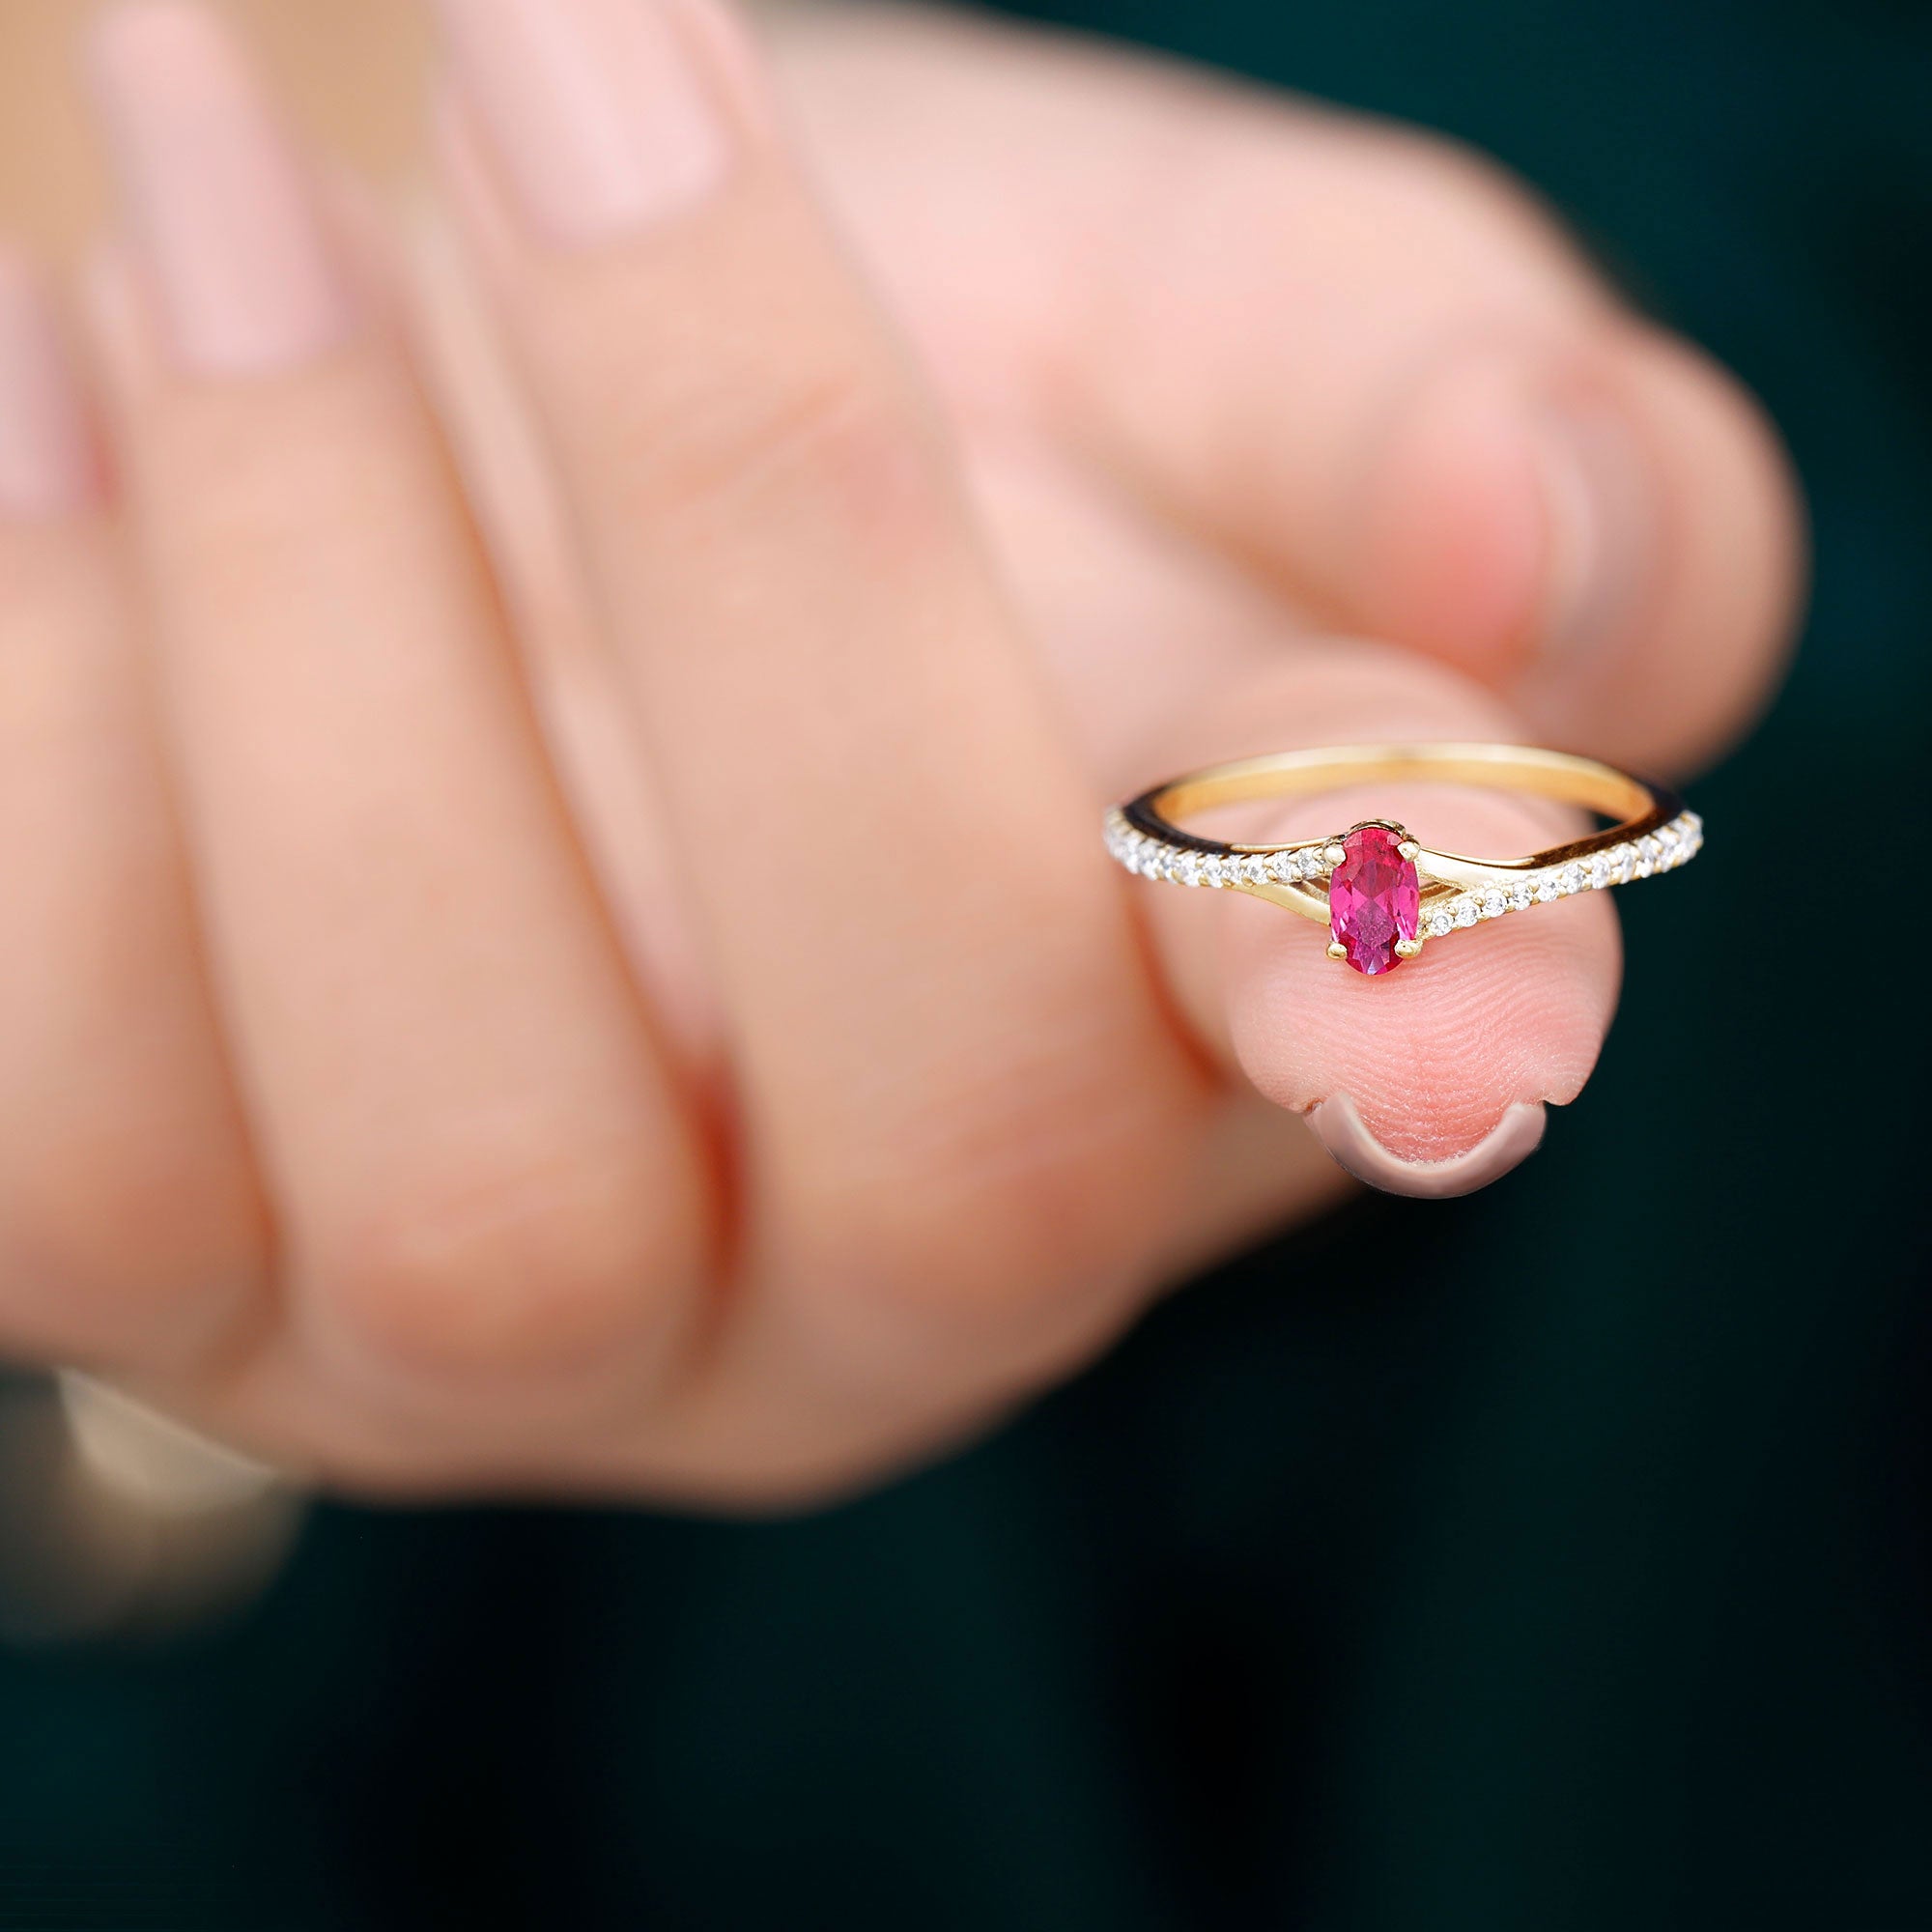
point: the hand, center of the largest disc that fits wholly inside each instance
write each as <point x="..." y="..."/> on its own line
<point x="557" y="938"/>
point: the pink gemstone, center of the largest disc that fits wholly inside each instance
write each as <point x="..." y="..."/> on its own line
<point x="1373" y="898"/>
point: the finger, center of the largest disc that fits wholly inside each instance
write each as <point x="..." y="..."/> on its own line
<point x="575" y="683"/>
<point x="1433" y="1079"/>
<point x="1365" y="363"/>
<point x="1114" y="595"/>
<point x="472" y="1132"/>
<point x="936" y="1017"/>
<point x="133" y="1233"/>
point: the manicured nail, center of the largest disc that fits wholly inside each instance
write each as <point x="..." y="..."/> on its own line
<point x="223" y="216"/>
<point x="595" y="109"/>
<point x="1597" y="498"/>
<point x="47" y="460"/>
<point x="1338" y="1126"/>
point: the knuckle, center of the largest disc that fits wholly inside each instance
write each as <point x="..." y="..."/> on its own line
<point x="1437" y="175"/>
<point x="1454" y="213"/>
<point x="832" y="438"/>
<point x="541" y="1270"/>
<point x="1454" y="218"/>
<point x="684" y="408"/>
<point x="829" y="436"/>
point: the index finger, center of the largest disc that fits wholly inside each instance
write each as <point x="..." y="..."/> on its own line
<point x="885" y="834"/>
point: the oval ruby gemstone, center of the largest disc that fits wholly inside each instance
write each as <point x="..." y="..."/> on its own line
<point x="1374" y="899"/>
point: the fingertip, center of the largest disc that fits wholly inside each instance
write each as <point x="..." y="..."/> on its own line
<point x="1511" y="1012"/>
<point x="1433" y="1055"/>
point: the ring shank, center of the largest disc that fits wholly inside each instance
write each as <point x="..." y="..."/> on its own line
<point x="1636" y="805"/>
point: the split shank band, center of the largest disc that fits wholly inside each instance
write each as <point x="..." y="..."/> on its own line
<point x="1380" y="887"/>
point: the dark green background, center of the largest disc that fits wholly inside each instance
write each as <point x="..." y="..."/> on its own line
<point x="1586" y="1583"/>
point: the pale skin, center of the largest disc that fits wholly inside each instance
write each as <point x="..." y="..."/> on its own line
<point x="550" y="754"/>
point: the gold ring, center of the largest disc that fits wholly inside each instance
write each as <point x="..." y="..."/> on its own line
<point x="1380" y="892"/>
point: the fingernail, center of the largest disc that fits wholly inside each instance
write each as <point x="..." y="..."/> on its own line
<point x="1598" y="500"/>
<point x="595" y="109"/>
<point x="48" y="465"/>
<point x="1337" y="1125"/>
<point x="222" y="216"/>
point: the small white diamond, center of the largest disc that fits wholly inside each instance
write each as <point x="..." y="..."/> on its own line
<point x="1441" y="924"/>
<point x="1600" y="869"/>
<point x="1214" y="871"/>
<point x="1279" y="867"/>
<point x="1309" y="862"/>
<point x="1571" y="879"/>
<point x="1465" y="912"/>
<point x="1546" y="889"/>
<point x="1495" y="903"/>
<point x="1521" y="895"/>
<point x="1187" y="867"/>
